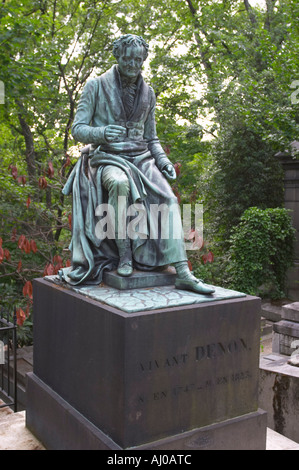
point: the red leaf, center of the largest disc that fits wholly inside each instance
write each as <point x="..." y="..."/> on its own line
<point x="50" y="169"/>
<point x="1" y="254"/>
<point x="177" y="167"/>
<point x="1" y="241"/>
<point x="27" y="290"/>
<point x="33" y="246"/>
<point x="70" y="221"/>
<point x="177" y="195"/>
<point x="68" y="263"/>
<point x="24" y="244"/>
<point x="42" y="182"/>
<point x="28" y="202"/>
<point x="49" y="270"/>
<point x="198" y="241"/>
<point x="67" y="162"/>
<point x="190" y="265"/>
<point x="27" y="247"/>
<point x="13" y="236"/>
<point x="167" y="149"/>
<point x="19" y="268"/>
<point x="210" y="257"/>
<point x="191" y="234"/>
<point x="14" y="171"/>
<point x="21" y="316"/>
<point x="57" y="259"/>
<point x="7" y="254"/>
<point x="21" y="242"/>
<point x="22" y="180"/>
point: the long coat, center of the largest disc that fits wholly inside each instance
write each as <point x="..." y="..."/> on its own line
<point x="141" y="157"/>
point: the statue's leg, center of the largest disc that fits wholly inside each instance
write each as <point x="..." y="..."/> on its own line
<point x="116" y="182"/>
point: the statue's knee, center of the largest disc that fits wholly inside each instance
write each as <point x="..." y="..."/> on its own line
<point x="121" y="182"/>
<point x="114" y="179"/>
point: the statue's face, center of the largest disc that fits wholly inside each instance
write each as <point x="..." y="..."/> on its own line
<point x="131" y="60"/>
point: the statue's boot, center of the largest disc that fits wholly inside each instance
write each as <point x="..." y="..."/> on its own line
<point x="125" y="265"/>
<point x="186" y="281"/>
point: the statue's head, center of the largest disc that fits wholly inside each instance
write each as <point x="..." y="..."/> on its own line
<point x="130" y="52"/>
<point x="129" y="40"/>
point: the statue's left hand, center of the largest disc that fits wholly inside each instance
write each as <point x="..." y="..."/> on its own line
<point x="169" y="172"/>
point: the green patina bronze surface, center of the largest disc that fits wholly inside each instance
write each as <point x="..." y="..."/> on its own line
<point x="122" y="167"/>
<point x="140" y="279"/>
<point x="138" y="300"/>
<point x="116" y="118"/>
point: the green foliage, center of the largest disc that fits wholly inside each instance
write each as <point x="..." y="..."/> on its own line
<point x="245" y="174"/>
<point x="238" y="63"/>
<point x="261" y="252"/>
<point x="222" y="74"/>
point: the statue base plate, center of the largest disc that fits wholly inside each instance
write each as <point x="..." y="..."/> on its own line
<point x="146" y="298"/>
<point x="140" y="279"/>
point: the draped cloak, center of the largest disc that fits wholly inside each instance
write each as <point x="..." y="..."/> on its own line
<point x="141" y="157"/>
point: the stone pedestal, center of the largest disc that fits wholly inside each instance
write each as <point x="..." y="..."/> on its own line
<point x="286" y="332"/>
<point x="279" y="375"/>
<point x="278" y="394"/>
<point x="182" y="377"/>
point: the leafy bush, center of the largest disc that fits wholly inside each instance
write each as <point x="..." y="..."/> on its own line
<point x="262" y="250"/>
<point x="245" y="174"/>
<point x="29" y="248"/>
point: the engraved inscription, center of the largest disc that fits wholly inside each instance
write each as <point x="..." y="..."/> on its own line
<point x="196" y="357"/>
<point x="199" y="353"/>
<point x="185" y="390"/>
<point x="215" y="350"/>
<point x="164" y="363"/>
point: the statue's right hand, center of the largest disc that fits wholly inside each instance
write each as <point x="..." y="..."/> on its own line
<point x="115" y="133"/>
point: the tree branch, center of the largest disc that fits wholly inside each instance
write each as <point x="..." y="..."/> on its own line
<point x="250" y="12"/>
<point x="270" y="13"/>
<point x="203" y="54"/>
<point x="29" y="142"/>
<point x="205" y="61"/>
<point x="53" y="19"/>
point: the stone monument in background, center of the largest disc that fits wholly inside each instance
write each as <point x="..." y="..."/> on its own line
<point x="290" y="167"/>
<point x="279" y="375"/>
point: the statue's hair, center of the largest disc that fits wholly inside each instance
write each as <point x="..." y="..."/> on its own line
<point x="129" y="40"/>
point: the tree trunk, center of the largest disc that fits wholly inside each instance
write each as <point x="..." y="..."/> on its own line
<point x="30" y="150"/>
<point x="250" y="12"/>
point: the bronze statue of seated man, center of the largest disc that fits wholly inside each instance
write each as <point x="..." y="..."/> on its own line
<point x="123" y="166"/>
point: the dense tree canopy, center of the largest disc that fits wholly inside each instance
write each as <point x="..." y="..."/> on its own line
<point x="222" y="72"/>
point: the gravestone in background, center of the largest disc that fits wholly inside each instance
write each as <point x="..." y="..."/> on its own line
<point x="279" y="375"/>
<point x="290" y="167"/>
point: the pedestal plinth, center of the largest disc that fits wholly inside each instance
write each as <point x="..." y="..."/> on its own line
<point x="182" y="377"/>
